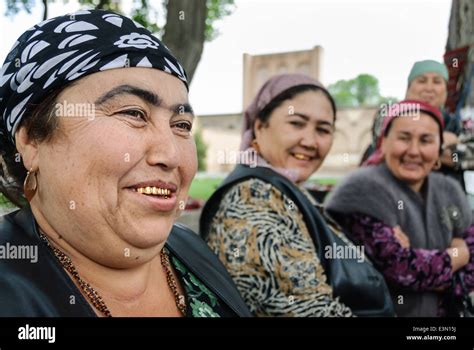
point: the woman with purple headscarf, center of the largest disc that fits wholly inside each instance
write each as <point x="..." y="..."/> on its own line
<point x="258" y="228"/>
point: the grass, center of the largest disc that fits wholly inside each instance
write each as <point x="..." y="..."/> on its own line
<point x="5" y="203"/>
<point x="325" y="181"/>
<point x="202" y="188"/>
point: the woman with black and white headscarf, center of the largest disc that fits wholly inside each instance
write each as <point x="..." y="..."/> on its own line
<point x="96" y="123"/>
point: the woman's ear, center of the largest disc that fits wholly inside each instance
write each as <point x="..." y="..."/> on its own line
<point x="28" y="149"/>
<point x="257" y="127"/>
<point x="383" y="146"/>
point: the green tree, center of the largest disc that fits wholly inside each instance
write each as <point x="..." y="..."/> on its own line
<point x="187" y="21"/>
<point x="201" y="148"/>
<point x="361" y="91"/>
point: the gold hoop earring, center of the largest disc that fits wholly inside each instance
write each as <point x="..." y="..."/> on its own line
<point x="30" y="185"/>
<point x="255" y="145"/>
<point x="437" y="165"/>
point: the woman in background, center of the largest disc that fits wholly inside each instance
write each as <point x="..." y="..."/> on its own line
<point x="265" y="236"/>
<point x="415" y="224"/>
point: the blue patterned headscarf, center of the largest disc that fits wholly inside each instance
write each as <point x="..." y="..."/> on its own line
<point x="62" y="49"/>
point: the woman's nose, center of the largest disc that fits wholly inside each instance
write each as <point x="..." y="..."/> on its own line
<point x="413" y="148"/>
<point x="430" y="86"/>
<point x="163" y="149"/>
<point x="309" y="139"/>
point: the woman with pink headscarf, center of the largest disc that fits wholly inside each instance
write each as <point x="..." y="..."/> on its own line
<point x="415" y="224"/>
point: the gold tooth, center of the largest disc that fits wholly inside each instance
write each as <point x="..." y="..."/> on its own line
<point x="154" y="190"/>
<point x="300" y="156"/>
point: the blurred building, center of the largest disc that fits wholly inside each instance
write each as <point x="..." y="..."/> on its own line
<point x="221" y="132"/>
<point x="259" y="68"/>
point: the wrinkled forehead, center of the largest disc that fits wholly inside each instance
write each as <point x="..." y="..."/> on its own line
<point x="145" y="83"/>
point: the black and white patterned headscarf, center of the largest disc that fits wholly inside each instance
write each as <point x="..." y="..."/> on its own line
<point x="62" y="49"/>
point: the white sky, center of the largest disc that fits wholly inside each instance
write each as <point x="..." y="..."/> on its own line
<point x="379" y="37"/>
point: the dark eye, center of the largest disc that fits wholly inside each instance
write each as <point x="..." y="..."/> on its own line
<point x="184" y="126"/>
<point x="427" y="140"/>
<point x="297" y="124"/>
<point x="134" y="113"/>
<point x="324" y="131"/>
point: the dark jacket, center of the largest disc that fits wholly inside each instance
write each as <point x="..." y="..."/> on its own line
<point x="358" y="284"/>
<point x="44" y="289"/>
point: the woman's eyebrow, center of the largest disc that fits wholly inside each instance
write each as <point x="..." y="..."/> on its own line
<point x="307" y="118"/>
<point x="181" y="108"/>
<point x="301" y="115"/>
<point x="145" y="95"/>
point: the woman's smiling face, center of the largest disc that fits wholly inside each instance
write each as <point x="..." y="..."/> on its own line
<point x="298" y="133"/>
<point x="430" y="88"/>
<point x="411" y="148"/>
<point x="121" y="178"/>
